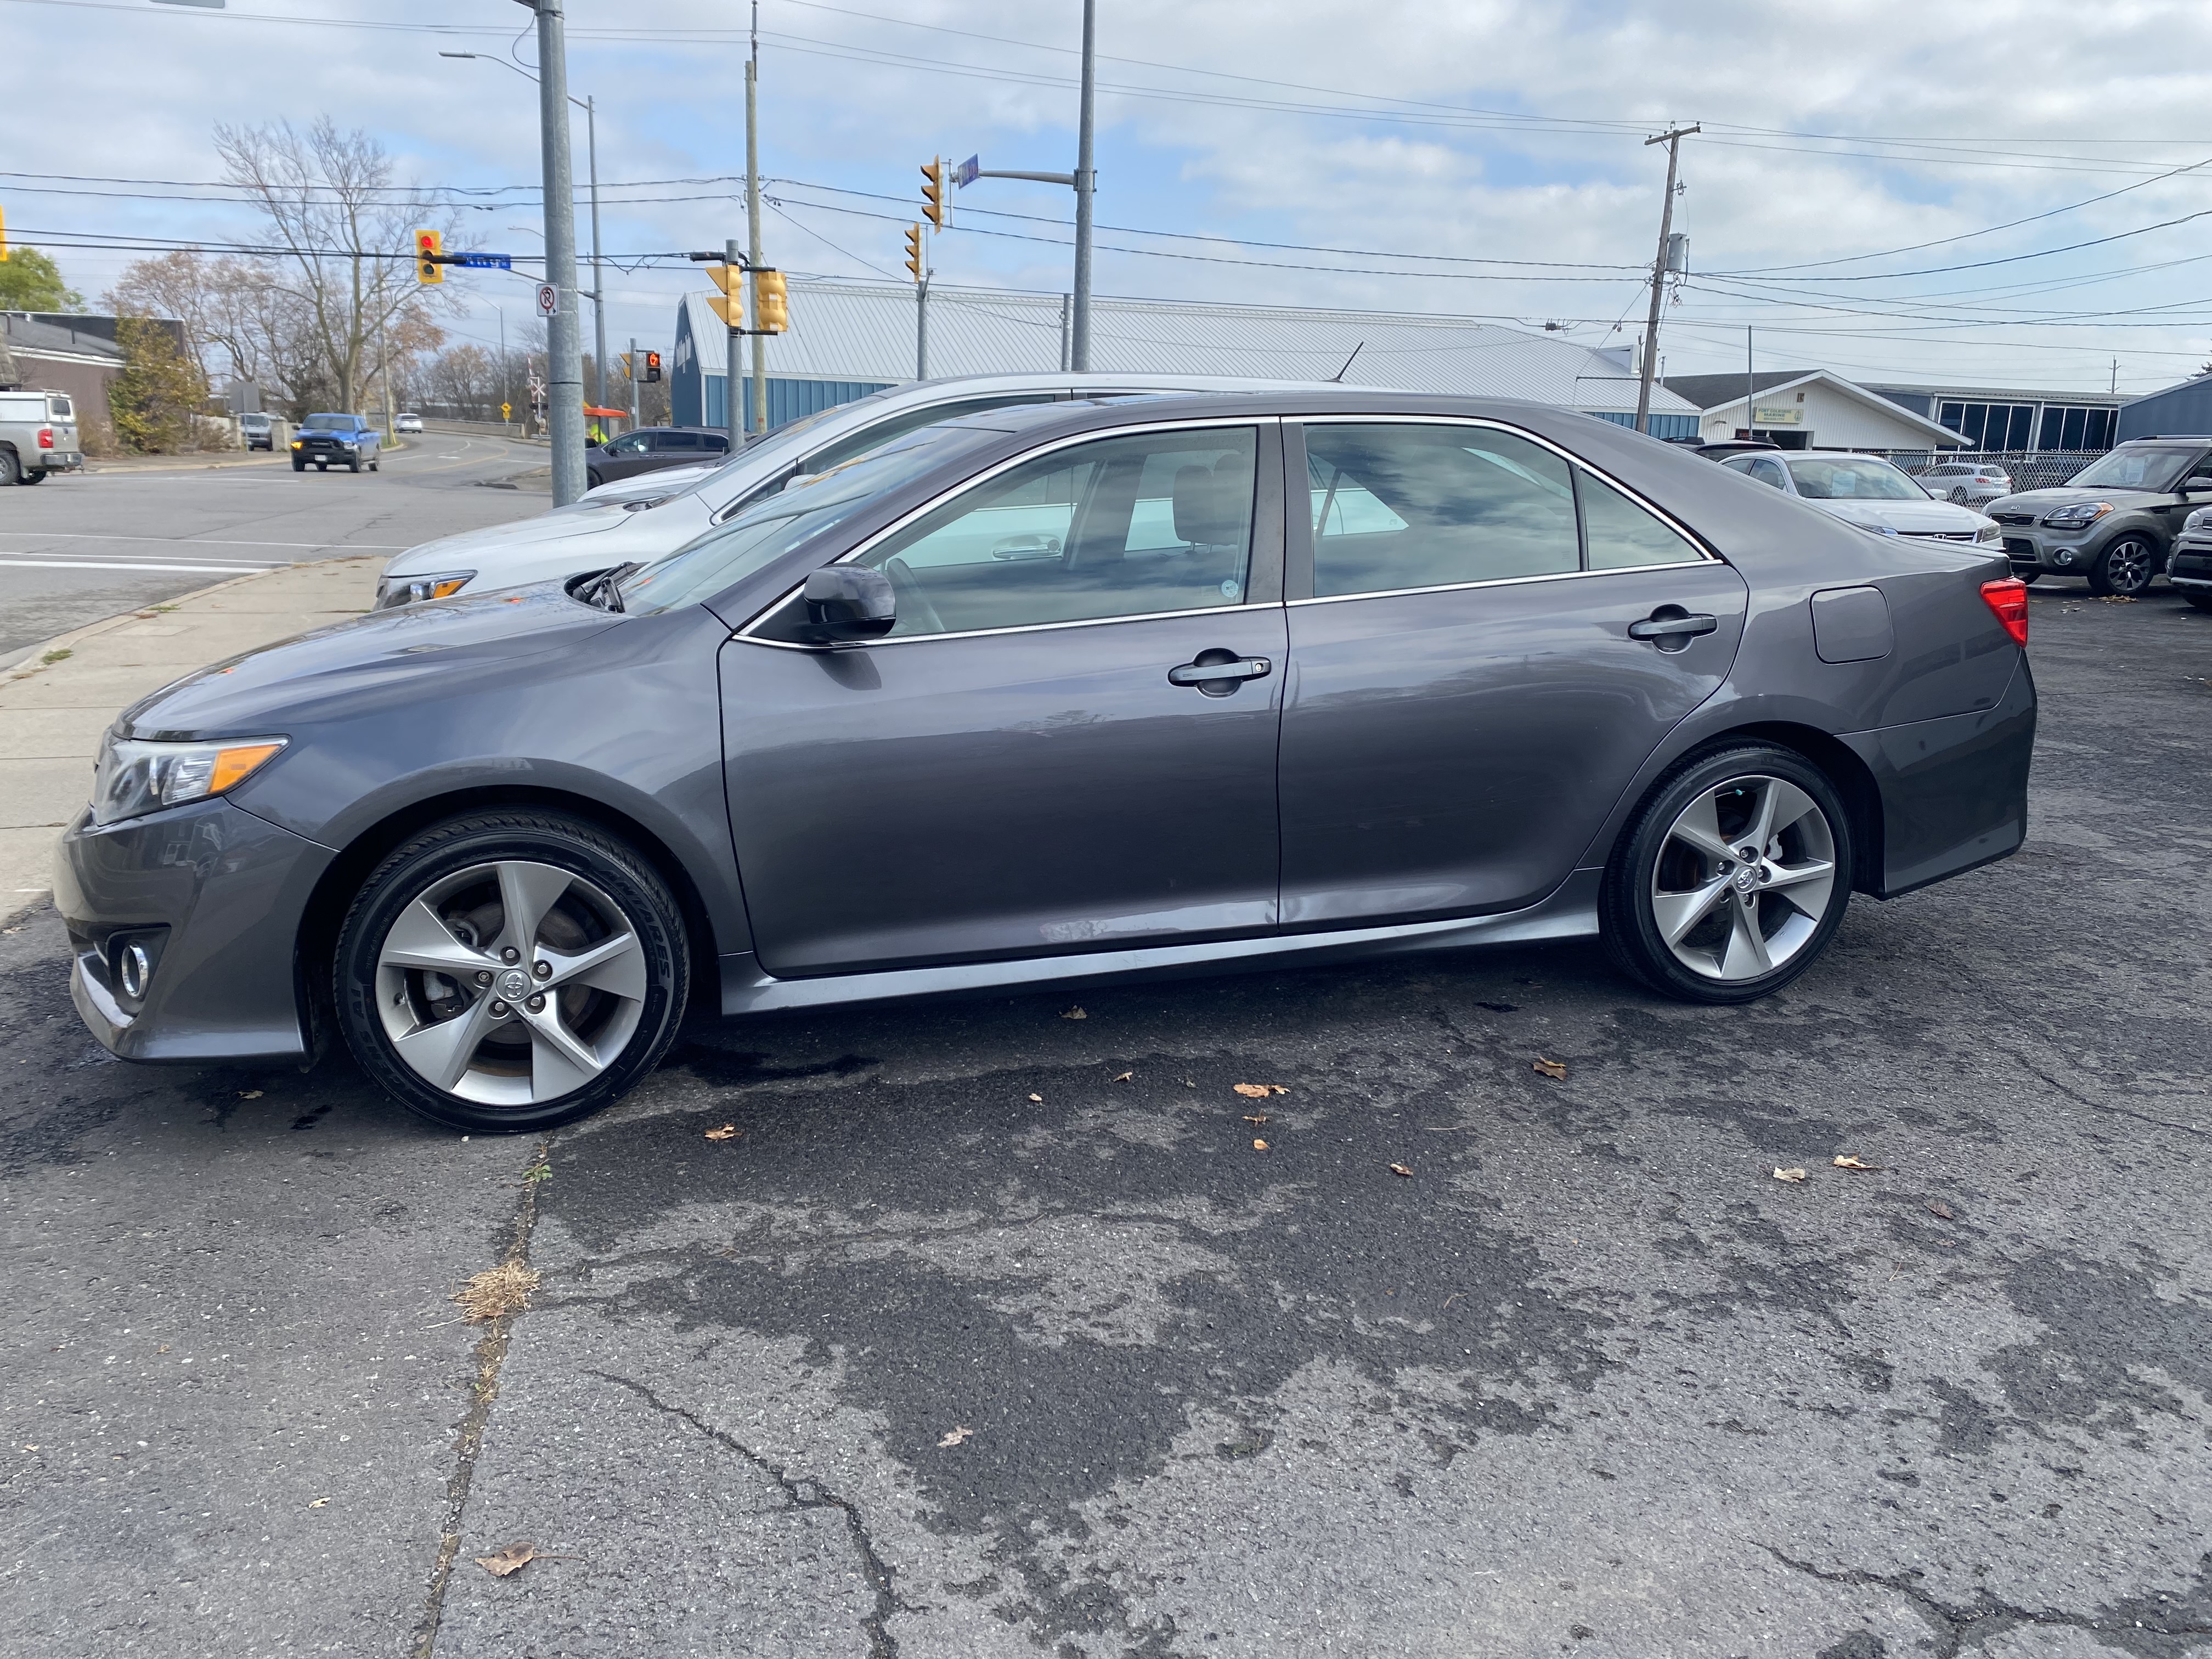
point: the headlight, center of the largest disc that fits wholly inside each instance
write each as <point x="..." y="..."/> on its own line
<point x="2198" y="520"/>
<point x="134" y="778"/>
<point x="296" y="443"/>
<point x="2076" y="515"/>
<point x="393" y="592"/>
<point x="1987" y="532"/>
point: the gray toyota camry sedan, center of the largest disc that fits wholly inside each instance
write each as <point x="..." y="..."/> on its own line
<point x="1048" y="695"/>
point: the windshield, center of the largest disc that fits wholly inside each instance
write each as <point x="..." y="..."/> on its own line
<point x="2136" y="468"/>
<point x="772" y="526"/>
<point x="783" y="442"/>
<point x="327" y="424"/>
<point x="1853" y="478"/>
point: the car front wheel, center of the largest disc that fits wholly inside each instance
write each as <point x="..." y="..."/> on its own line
<point x="2123" y="569"/>
<point x="510" y="971"/>
<point x="1731" y="878"/>
<point x="2201" y="601"/>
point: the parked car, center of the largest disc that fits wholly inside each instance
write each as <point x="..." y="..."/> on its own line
<point x="1004" y="703"/>
<point x="407" y="421"/>
<point x="38" y="435"/>
<point x="651" y="447"/>
<point x="258" y="430"/>
<point x="1719" y="449"/>
<point x="347" y="440"/>
<point x="2189" y="567"/>
<point x="646" y="517"/>
<point x="1864" y="490"/>
<point x="2115" y="522"/>
<point x="1967" y="483"/>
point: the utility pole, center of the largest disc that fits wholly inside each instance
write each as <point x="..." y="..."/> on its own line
<point x="506" y="382"/>
<point x="384" y="371"/>
<point x="752" y="231"/>
<point x="598" y="271"/>
<point x="564" y="366"/>
<point x="1749" y="429"/>
<point x="1672" y="139"/>
<point x="636" y="374"/>
<point x="1086" y="185"/>
<point x="732" y="409"/>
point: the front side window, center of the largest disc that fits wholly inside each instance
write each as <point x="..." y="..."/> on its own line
<point x="1428" y="506"/>
<point x="631" y="444"/>
<point x="1137" y="526"/>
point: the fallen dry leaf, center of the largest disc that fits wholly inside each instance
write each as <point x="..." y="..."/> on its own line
<point x="1400" y="1169"/>
<point x="249" y="1094"/>
<point x="1124" y="1078"/>
<point x="727" y="1131"/>
<point x="1038" y="1098"/>
<point x="1556" y="1068"/>
<point x="499" y="1294"/>
<point x="1258" y="1145"/>
<point x="1941" y="1211"/>
<point x="1850" y="1161"/>
<point x="1074" y="1013"/>
<point x="1259" y="1091"/>
<point x="514" y="1559"/>
<point x="954" y="1437"/>
<point x="1789" y="1175"/>
<point x="318" y="1503"/>
<point x="2117" y="598"/>
<point x="1255" y="1117"/>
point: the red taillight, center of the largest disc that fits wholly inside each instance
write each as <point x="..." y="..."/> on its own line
<point x="2007" y="599"/>
<point x="45" y="437"/>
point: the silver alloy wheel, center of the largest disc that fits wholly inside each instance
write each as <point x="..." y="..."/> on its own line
<point x="1743" y="878"/>
<point x="510" y="983"/>
<point x="2127" y="565"/>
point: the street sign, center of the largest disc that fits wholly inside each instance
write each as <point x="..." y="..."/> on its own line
<point x="548" y="299"/>
<point x="969" y="171"/>
<point x="481" y="261"/>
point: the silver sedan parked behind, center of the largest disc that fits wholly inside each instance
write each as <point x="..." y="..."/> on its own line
<point x="1055" y="693"/>
<point x="1864" y="490"/>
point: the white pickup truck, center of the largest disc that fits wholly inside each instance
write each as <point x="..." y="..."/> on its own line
<point x="38" y="435"/>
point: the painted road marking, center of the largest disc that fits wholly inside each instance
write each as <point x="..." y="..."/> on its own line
<point x="108" y="564"/>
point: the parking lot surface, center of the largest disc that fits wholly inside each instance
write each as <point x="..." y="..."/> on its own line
<point x="81" y="546"/>
<point x="995" y="1330"/>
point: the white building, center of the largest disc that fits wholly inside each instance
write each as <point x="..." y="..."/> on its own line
<point x="1809" y="409"/>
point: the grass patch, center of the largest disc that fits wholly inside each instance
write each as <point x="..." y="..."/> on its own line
<point x="499" y="1294"/>
<point x="53" y="657"/>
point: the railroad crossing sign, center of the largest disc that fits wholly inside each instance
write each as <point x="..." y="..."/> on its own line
<point x="548" y="299"/>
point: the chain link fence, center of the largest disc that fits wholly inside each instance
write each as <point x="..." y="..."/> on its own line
<point x="2028" y="469"/>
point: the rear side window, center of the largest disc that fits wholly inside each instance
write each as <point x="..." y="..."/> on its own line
<point x="1620" y="535"/>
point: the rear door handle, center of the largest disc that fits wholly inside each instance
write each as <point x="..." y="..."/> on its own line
<point x="1672" y="632"/>
<point x="1203" y="674"/>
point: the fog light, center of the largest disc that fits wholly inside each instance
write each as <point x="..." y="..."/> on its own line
<point x="2063" y="555"/>
<point x="137" y="967"/>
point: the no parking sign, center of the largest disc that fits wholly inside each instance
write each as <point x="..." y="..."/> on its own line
<point x="548" y="299"/>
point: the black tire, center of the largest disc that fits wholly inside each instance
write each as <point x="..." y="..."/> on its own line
<point x="33" y="475"/>
<point x="2201" y="601"/>
<point x="1958" y="495"/>
<point x="299" y="466"/>
<point x="2027" y="578"/>
<point x="1625" y="908"/>
<point x="11" y="470"/>
<point x="354" y="467"/>
<point x="452" y="850"/>
<point x="593" y="480"/>
<point x="2126" y="567"/>
<point x="377" y="465"/>
<point x="322" y="466"/>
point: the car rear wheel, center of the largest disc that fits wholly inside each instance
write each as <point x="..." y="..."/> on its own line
<point x="1731" y="878"/>
<point x="2124" y="569"/>
<point x="11" y="470"/>
<point x="33" y="475"/>
<point x="510" y="971"/>
<point x="1958" y="495"/>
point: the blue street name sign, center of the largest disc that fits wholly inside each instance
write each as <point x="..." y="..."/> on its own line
<point x="482" y="261"/>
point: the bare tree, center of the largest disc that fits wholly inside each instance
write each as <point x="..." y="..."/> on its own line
<point x="347" y="232"/>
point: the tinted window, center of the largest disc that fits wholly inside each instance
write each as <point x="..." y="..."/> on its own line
<point x="1396" y="507"/>
<point x="1851" y="478"/>
<point x="1118" y="528"/>
<point x="633" y="444"/>
<point x="1621" y="535"/>
<point x="676" y="440"/>
<point x="879" y="432"/>
<point x="1769" y="472"/>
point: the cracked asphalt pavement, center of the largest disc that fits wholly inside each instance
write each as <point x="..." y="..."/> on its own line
<point x="993" y="1333"/>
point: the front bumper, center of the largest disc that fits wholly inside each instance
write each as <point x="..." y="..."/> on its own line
<point x="2191" y="568"/>
<point x="217" y="895"/>
<point x="2038" y="550"/>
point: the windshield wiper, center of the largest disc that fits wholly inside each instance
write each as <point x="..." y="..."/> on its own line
<point x="604" y="590"/>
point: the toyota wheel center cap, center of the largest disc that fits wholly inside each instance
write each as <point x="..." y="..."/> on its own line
<point x="515" y="985"/>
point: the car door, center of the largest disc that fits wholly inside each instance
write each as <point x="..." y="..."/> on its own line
<point x="622" y="457"/>
<point x="1487" y="641"/>
<point x="1033" y="761"/>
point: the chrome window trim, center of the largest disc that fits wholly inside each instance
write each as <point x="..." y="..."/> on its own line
<point x="1501" y="582"/>
<point x="1189" y="425"/>
<point x="1706" y="553"/>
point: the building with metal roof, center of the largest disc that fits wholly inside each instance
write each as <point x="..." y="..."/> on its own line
<point x="847" y="339"/>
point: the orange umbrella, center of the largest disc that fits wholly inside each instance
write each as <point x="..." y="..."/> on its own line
<point x="607" y="414"/>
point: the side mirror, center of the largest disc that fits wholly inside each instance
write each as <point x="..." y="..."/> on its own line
<point x="849" y="602"/>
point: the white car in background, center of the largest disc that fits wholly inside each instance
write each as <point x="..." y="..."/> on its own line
<point x="1864" y="490"/>
<point x="407" y="422"/>
<point x="643" y="518"/>
<point x="1970" y="484"/>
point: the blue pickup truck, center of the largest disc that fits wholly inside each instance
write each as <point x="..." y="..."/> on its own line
<point x="328" y="441"/>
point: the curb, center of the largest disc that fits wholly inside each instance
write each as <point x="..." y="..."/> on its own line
<point x="29" y="664"/>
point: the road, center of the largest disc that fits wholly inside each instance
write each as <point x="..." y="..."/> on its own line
<point x="993" y="1333"/>
<point x="80" y="547"/>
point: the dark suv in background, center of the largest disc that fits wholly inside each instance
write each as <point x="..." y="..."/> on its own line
<point x="2114" y="523"/>
<point x="651" y="448"/>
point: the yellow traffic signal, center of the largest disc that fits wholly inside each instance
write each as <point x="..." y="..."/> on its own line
<point x="771" y="302"/>
<point x="933" y="192"/>
<point x="913" y="252"/>
<point x="731" y="311"/>
<point x="428" y="245"/>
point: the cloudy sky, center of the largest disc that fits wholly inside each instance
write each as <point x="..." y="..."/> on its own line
<point x="1886" y="188"/>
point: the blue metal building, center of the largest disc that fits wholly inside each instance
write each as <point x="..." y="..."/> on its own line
<point x="2179" y="410"/>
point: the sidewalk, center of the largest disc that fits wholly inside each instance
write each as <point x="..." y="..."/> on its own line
<point x="191" y="462"/>
<point x="56" y="701"/>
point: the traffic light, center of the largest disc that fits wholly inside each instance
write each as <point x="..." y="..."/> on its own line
<point x="933" y="192"/>
<point x="913" y="252"/>
<point x="771" y="302"/>
<point x="730" y="311"/>
<point x="428" y="245"/>
<point x="652" y="365"/>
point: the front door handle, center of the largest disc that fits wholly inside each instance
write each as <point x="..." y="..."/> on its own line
<point x="1217" y="673"/>
<point x="1671" y="628"/>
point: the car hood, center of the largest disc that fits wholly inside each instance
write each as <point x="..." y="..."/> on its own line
<point x="461" y="552"/>
<point x="363" y="660"/>
<point x="2040" y="501"/>
<point x="1905" y="518"/>
<point x="645" y="487"/>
